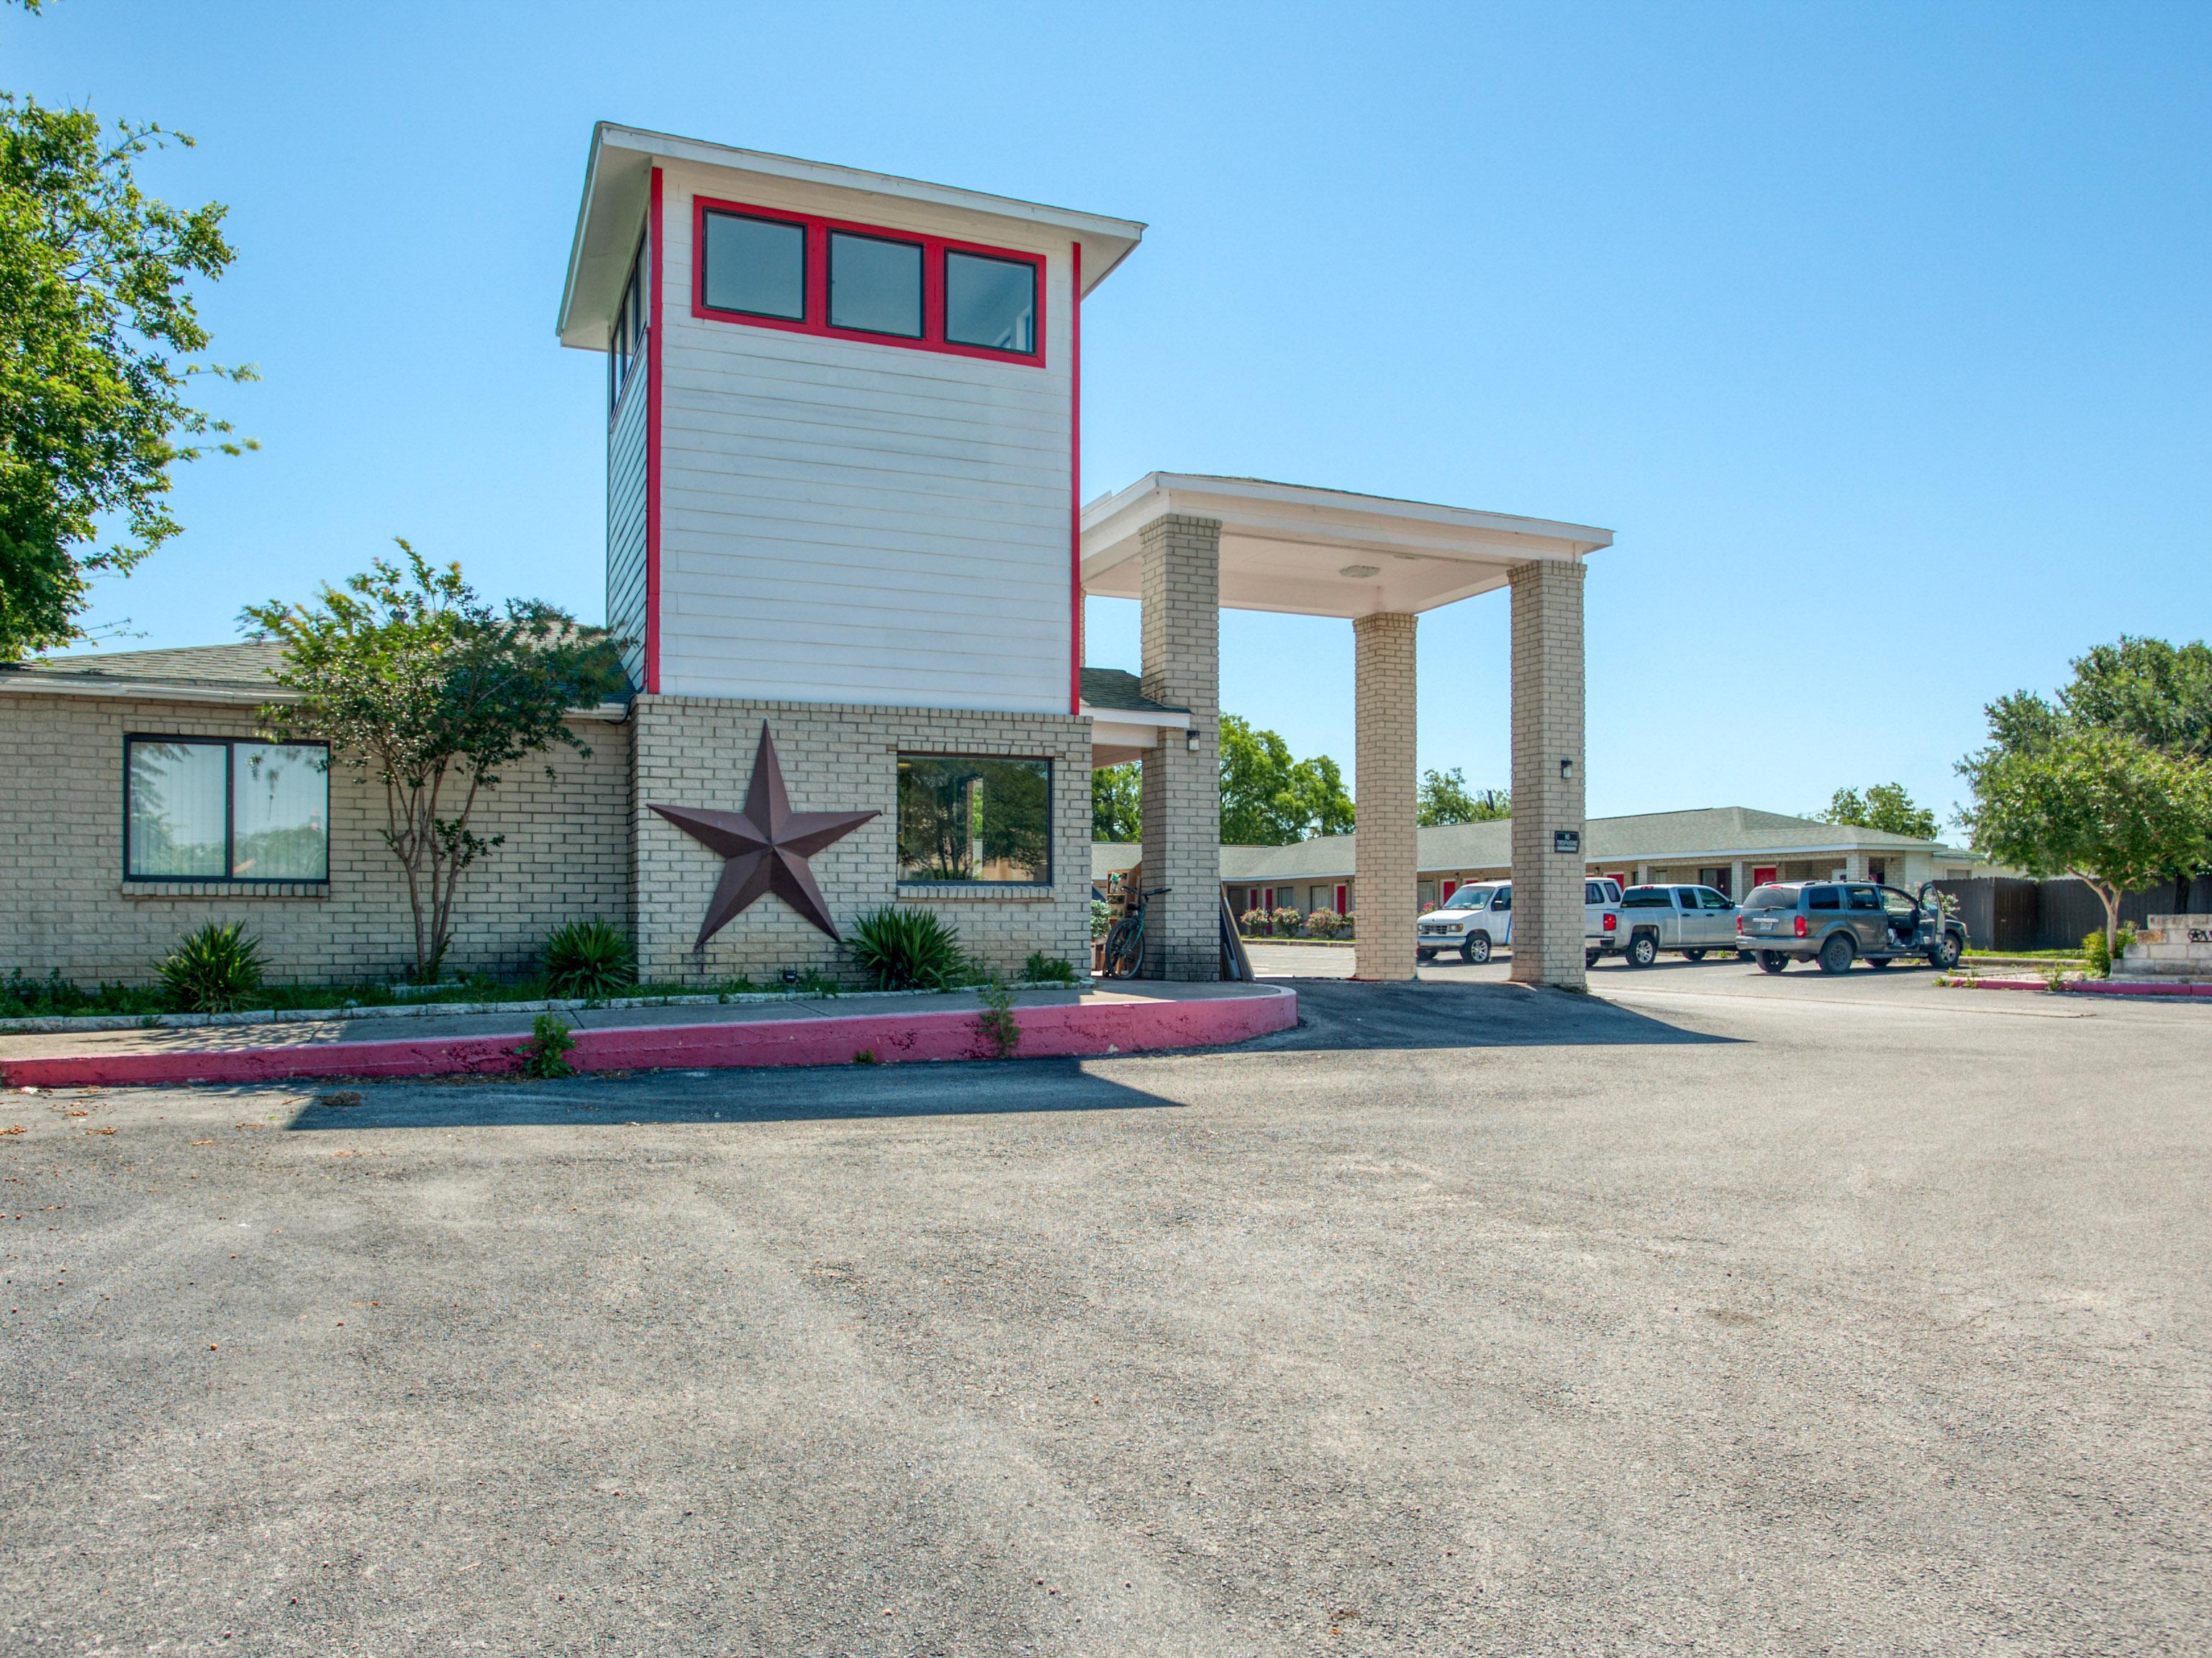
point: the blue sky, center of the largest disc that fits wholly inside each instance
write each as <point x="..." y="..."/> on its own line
<point x="1878" y="334"/>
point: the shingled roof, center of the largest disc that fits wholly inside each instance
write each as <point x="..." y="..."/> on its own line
<point x="240" y="670"/>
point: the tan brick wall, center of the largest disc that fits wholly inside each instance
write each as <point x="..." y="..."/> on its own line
<point x="698" y="752"/>
<point x="1548" y="727"/>
<point x="1386" y="791"/>
<point x="1182" y="787"/>
<point x="63" y="903"/>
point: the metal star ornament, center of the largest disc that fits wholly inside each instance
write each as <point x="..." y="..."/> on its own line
<point x="765" y="847"/>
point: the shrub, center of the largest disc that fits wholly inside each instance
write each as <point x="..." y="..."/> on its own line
<point x="996" y="1022"/>
<point x="1044" y="969"/>
<point x="2098" y="959"/>
<point x="1101" y="919"/>
<point x="909" y="949"/>
<point x="213" y="969"/>
<point x="546" y="1056"/>
<point x="1324" y="924"/>
<point x="589" y="958"/>
<point x="1285" y="923"/>
<point x="1253" y="923"/>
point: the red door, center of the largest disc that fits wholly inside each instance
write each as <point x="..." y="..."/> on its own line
<point x="1340" y="900"/>
<point x="1761" y="877"/>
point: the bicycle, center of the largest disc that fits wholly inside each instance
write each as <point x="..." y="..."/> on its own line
<point x="1125" y="944"/>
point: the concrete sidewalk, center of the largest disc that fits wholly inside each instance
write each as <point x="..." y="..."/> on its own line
<point x="862" y="1027"/>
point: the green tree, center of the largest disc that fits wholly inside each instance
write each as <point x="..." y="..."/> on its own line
<point x="2147" y="689"/>
<point x="1268" y="798"/>
<point x="1117" y="803"/>
<point x="1884" y="806"/>
<point x="2099" y="804"/>
<point x="98" y="339"/>
<point x="1446" y="798"/>
<point x="417" y="681"/>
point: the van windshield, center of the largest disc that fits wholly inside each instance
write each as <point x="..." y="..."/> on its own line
<point x="1771" y="898"/>
<point x="1470" y="898"/>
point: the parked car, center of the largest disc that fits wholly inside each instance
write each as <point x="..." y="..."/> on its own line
<point x="1837" y="922"/>
<point x="1688" y="919"/>
<point x="1478" y="919"/>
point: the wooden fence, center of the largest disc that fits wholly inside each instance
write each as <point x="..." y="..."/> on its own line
<point x="2002" y="913"/>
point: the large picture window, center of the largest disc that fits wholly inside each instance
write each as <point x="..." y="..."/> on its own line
<point x="975" y="819"/>
<point x="767" y="268"/>
<point x="221" y="809"/>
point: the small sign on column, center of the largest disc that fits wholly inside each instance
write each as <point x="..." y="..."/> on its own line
<point x="1566" y="840"/>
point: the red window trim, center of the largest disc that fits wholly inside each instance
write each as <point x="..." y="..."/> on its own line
<point x="816" y="320"/>
<point x="654" y="332"/>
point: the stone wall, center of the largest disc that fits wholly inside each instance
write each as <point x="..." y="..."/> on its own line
<point x="64" y="904"/>
<point x="698" y="752"/>
<point x="2170" y="947"/>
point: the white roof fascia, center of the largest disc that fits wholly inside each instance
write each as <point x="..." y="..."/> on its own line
<point x="1106" y="240"/>
<point x="1328" y="518"/>
<point x="1156" y="719"/>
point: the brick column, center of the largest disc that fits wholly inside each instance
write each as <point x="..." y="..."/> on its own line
<point x="1385" y="857"/>
<point x="1547" y="729"/>
<point x="1182" y="595"/>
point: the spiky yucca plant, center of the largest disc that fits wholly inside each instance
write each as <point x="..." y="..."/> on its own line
<point x="214" y="968"/>
<point x="589" y="958"/>
<point x="907" y="949"/>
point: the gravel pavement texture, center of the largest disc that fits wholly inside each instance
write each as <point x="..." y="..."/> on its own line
<point x="1708" y="1314"/>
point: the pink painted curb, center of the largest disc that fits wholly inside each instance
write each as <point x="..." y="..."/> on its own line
<point x="2093" y="988"/>
<point x="1047" y="1032"/>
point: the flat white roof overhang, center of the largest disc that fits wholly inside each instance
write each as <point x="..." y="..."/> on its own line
<point x="617" y="188"/>
<point x="1304" y="551"/>
<point x="1121" y="735"/>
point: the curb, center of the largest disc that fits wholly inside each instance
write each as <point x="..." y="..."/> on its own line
<point x="1047" y="1032"/>
<point x="2136" y="988"/>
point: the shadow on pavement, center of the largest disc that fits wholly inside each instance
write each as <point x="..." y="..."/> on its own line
<point x="780" y="1094"/>
<point x="1338" y="1014"/>
<point x="1335" y="1015"/>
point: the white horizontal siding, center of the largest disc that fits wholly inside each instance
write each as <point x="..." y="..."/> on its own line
<point x="626" y="442"/>
<point x="849" y="522"/>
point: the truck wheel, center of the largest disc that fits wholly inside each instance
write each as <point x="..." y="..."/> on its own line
<point x="1694" y="955"/>
<point x="1424" y="955"/>
<point x="1772" y="961"/>
<point x="1642" y="950"/>
<point x="1589" y="958"/>
<point x="1475" y="950"/>
<point x="1945" y="955"/>
<point x="1835" y="954"/>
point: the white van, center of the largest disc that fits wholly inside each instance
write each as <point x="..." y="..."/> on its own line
<point x="1478" y="919"/>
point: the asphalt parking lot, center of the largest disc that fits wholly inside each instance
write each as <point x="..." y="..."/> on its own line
<point x="1708" y="1313"/>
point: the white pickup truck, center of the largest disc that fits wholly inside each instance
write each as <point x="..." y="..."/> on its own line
<point x="1691" y="919"/>
<point x="1478" y="919"/>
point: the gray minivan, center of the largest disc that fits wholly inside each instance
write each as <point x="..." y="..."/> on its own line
<point x="1836" y="923"/>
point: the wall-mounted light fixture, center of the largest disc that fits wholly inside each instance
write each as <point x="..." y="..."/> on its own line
<point x="1190" y="739"/>
<point x="1567" y="769"/>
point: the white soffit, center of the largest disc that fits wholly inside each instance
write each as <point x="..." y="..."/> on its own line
<point x="617" y="188"/>
<point x="1324" y="552"/>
